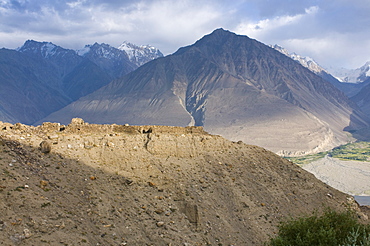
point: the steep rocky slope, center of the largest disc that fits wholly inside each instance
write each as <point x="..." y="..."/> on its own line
<point x="146" y="185"/>
<point x="233" y="86"/>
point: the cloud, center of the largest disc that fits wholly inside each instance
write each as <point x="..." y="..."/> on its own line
<point x="270" y="9"/>
<point x="170" y="23"/>
<point x="334" y="50"/>
<point x="333" y="33"/>
<point x="284" y="26"/>
<point x="310" y="27"/>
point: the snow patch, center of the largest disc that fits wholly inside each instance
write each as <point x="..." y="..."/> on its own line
<point x="84" y="50"/>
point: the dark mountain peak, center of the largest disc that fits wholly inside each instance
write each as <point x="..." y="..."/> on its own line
<point x="220" y="36"/>
<point x="34" y="46"/>
<point x="222" y="32"/>
<point x="34" y="43"/>
<point x="220" y="41"/>
<point x="44" y="49"/>
<point x="102" y="46"/>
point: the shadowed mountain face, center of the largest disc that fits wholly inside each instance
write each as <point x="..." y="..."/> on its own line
<point x="362" y="98"/>
<point x="233" y="86"/>
<point x="28" y="88"/>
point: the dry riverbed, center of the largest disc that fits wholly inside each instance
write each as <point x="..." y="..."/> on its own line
<point x="351" y="177"/>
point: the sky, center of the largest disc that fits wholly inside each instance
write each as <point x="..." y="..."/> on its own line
<point x="335" y="33"/>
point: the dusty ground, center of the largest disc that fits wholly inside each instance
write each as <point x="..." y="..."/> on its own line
<point x="127" y="185"/>
<point x="352" y="177"/>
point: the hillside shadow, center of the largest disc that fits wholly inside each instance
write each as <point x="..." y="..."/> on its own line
<point x="49" y="198"/>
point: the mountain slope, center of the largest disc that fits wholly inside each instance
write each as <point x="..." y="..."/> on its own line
<point x="147" y="185"/>
<point x="233" y="86"/>
<point x="28" y="87"/>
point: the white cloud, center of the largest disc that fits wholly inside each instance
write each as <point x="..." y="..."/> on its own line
<point x="263" y="28"/>
<point x="76" y="4"/>
<point x="177" y="23"/>
<point x="310" y="27"/>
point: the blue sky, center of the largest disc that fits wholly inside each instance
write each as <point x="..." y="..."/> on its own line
<point x="333" y="32"/>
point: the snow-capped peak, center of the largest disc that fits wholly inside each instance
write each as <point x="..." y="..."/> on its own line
<point x="128" y="48"/>
<point x="140" y="54"/>
<point x="358" y="75"/>
<point x="366" y="68"/>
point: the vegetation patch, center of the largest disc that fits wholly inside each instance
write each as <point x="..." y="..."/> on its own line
<point x="332" y="228"/>
<point x="358" y="151"/>
<point x="301" y="160"/>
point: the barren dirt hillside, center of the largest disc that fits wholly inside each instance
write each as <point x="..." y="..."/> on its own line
<point x="146" y="185"/>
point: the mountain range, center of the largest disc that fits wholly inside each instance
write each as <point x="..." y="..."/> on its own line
<point x="233" y="86"/>
<point x="40" y="77"/>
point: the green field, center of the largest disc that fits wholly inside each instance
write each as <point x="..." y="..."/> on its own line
<point x="358" y="151"/>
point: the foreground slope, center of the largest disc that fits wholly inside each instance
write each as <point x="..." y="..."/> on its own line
<point x="146" y="185"/>
<point x="234" y="86"/>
